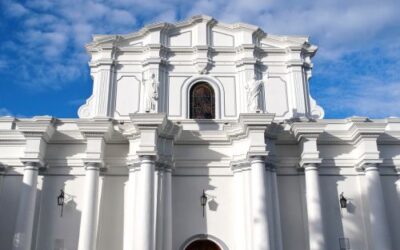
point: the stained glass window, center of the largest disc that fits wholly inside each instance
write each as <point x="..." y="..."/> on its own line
<point x="202" y="101"/>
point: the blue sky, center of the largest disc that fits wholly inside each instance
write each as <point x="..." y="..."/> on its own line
<point x="43" y="64"/>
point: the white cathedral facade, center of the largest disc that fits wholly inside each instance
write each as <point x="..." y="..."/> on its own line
<point x="200" y="135"/>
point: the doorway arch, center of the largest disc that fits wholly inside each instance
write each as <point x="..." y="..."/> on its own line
<point x="203" y="245"/>
<point x="206" y="240"/>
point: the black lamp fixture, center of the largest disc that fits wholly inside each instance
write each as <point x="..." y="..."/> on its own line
<point x="203" y="201"/>
<point x="343" y="201"/>
<point x="60" y="201"/>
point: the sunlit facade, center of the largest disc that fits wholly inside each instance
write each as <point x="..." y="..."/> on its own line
<point x="200" y="135"/>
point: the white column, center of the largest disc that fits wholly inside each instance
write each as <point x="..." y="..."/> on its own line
<point x="129" y="234"/>
<point x="377" y="213"/>
<point x="248" y="207"/>
<point x="159" y="207"/>
<point x="144" y="217"/>
<point x="89" y="216"/>
<point x="240" y="216"/>
<point x="398" y="183"/>
<point x="26" y="208"/>
<point x="260" y="221"/>
<point x="2" y="173"/>
<point x="167" y="210"/>
<point x="314" y="209"/>
<point x="276" y="210"/>
<point x="270" y="211"/>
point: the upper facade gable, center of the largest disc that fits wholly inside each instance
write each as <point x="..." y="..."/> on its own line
<point x="155" y="68"/>
<point x="200" y="31"/>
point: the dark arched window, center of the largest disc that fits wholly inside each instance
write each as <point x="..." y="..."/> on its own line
<point x="202" y="101"/>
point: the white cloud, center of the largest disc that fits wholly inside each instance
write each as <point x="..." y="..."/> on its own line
<point x="5" y="112"/>
<point x="359" y="40"/>
<point x="121" y="17"/>
<point x="16" y="9"/>
<point x="369" y="97"/>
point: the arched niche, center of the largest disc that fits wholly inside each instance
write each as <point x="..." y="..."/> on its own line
<point x="216" y="87"/>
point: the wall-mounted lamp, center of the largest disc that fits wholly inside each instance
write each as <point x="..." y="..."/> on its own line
<point x="60" y="201"/>
<point x="203" y="201"/>
<point x="343" y="201"/>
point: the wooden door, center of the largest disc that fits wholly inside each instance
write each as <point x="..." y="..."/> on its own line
<point x="203" y="245"/>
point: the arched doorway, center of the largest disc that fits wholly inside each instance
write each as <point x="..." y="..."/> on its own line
<point x="203" y="245"/>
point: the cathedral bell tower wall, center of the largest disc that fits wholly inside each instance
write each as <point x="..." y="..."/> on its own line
<point x="148" y="71"/>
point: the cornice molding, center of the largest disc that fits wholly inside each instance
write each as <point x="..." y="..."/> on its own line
<point x="39" y="127"/>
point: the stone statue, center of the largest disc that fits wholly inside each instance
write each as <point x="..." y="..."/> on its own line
<point x="254" y="89"/>
<point x="150" y="94"/>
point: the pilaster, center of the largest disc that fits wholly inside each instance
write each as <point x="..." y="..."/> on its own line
<point x="397" y="168"/>
<point x="37" y="132"/>
<point x="96" y="132"/>
<point x="167" y="211"/>
<point x="247" y="69"/>
<point x="242" y="231"/>
<point x="307" y="134"/>
<point x="151" y="138"/>
<point x="297" y="66"/>
<point x="379" y="227"/>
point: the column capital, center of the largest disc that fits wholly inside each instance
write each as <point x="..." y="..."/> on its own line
<point x="34" y="164"/>
<point x="310" y="166"/>
<point x="363" y="164"/>
<point x="93" y="166"/>
<point x="370" y="167"/>
<point x="147" y="158"/>
<point x="256" y="158"/>
<point x="307" y="163"/>
<point x="239" y="165"/>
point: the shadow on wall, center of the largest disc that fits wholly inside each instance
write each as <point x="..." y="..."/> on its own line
<point x="53" y="231"/>
<point x="111" y="213"/>
<point x="189" y="181"/>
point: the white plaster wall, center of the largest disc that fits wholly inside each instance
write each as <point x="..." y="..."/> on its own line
<point x="54" y="231"/>
<point x="293" y="213"/>
<point x="127" y="99"/>
<point x="347" y="222"/>
<point x="111" y="213"/>
<point x="187" y="211"/>
<point x="392" y="201"/>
